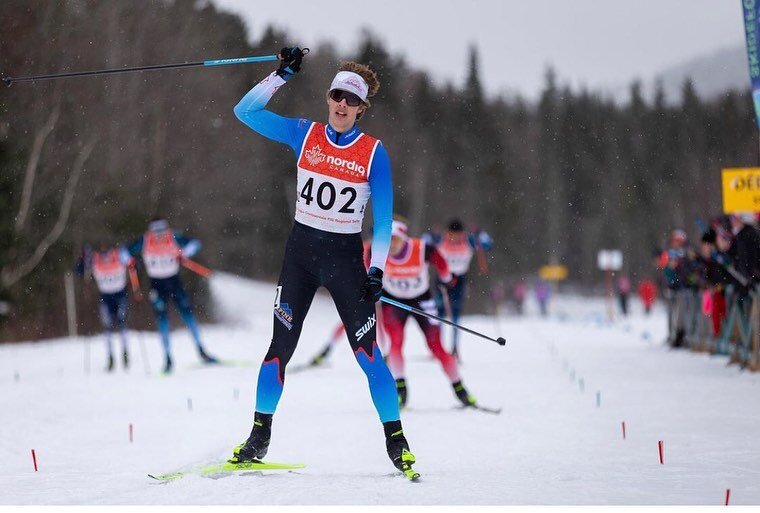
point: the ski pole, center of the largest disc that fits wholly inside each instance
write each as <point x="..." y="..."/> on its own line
<point x="197" y="268"/>
<point x="417" y="311"/>
<point x="217" y="62"/>
<point x="449" y="313"/>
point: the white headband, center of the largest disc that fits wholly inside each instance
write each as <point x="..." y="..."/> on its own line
<point x="158" y="225"/>
<point x="351" y="82"/>
<point x="399" y="229"/>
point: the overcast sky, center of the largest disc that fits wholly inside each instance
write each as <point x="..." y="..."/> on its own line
<point x="599" y="43"/>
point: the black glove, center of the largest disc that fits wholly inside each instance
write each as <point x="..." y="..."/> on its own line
<point x="290" y="61"/>
<point x="373" y="286"/>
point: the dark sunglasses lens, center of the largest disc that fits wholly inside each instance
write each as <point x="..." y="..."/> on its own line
<point x="351" y="99"/>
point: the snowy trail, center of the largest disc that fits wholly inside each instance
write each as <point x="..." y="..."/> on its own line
<point x="550" y="445"/>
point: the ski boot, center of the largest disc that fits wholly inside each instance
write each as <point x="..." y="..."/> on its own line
<point x="125" y="359"/>
<point x="257" y="445"/>
<point x="461" y="393"/>
<point x="321" y="357"/>
<point x="401" y="389"/>
<point x="206" y="357"/>
<point x="398" y="449"/>
<point x="168" y="366"/>
<point x="110" y="365"/>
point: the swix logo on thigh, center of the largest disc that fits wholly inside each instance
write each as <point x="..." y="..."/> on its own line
<point x="367" y="326"/>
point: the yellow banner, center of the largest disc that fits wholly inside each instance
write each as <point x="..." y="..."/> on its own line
<point x="553" y="272"/>
<point x="741" y="190"/>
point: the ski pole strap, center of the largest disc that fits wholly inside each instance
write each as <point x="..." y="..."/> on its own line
<point x="417" y="311"/>
<point x="197" y="268"/>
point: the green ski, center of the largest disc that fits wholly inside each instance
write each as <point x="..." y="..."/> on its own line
<point x="226" y="468"/>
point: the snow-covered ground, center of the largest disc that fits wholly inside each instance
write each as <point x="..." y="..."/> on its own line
<point x="552" y="444"/>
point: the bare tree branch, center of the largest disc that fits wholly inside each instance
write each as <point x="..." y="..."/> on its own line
<point x="32" y="165"/>
<point x="9" y="277"/>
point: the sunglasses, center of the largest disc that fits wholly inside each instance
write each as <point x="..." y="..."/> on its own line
<point x="352" y="100"/>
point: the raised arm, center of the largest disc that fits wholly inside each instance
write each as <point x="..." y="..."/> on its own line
<point x="250" y="110"/>
<point x="190" y="247"/>
<point x="433" y="256"/>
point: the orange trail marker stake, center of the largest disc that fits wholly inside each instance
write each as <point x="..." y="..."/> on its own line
<point x="659" y="448"/>
<point x="728" y="495"/>
<point x="623" y="424"/>
<point x="34" y="460"/>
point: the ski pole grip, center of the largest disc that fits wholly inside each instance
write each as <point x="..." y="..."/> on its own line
<point x="304" y="53"/>
<point x="8" y="81"/>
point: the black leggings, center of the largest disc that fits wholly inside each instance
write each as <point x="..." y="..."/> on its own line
<point x="315" y="258"/>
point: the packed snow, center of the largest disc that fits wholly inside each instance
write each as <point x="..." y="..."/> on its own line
<point x="565" y="383"/>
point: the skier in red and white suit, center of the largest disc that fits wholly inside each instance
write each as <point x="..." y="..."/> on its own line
<point x="407" y="281"/>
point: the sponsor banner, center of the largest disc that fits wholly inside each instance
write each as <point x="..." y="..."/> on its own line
<point x="553" y="272"/>
<point x="741" y="189"/>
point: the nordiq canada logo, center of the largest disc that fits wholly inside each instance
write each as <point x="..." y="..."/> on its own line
<point x="315" y="155"/>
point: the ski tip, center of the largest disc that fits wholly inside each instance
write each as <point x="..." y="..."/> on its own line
<point x="485" y="409"/>
<point x="165" y="478"/>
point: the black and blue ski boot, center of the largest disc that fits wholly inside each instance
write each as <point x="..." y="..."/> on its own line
<point x="168" y="366"/>
<point x="206" y="357"/>
<point x="257" y="445"/>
